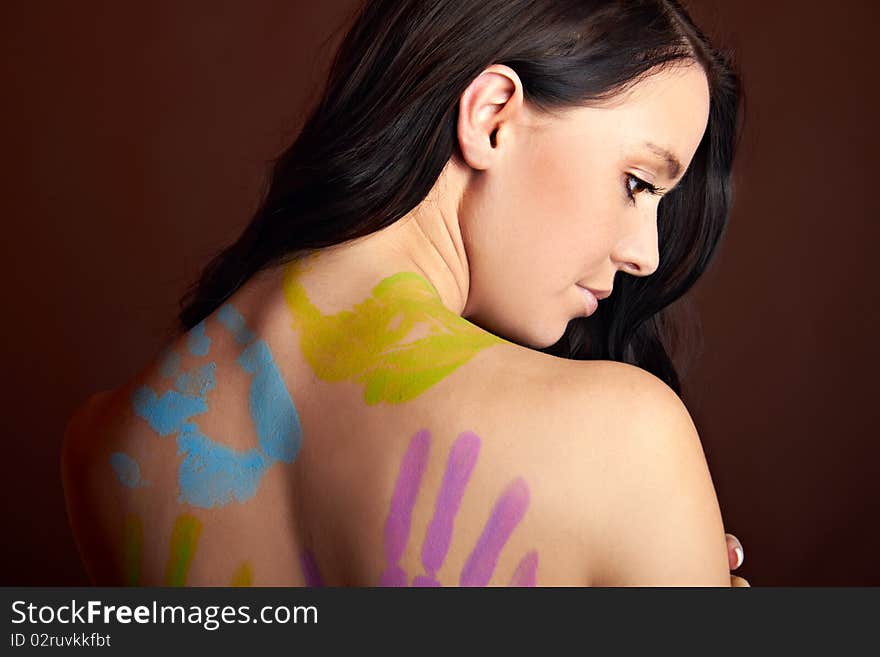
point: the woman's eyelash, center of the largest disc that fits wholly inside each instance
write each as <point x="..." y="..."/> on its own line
<point x="642" y="186"/>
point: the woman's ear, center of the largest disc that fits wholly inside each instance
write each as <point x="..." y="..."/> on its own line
<point x="485" y="108"/>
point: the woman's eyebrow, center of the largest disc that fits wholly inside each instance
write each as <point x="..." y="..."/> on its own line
<point x="673" y="166"/>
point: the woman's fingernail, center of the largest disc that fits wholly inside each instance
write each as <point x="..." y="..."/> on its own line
<point x="740" y="557"/>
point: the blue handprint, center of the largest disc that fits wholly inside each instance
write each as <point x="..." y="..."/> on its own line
<point x="212" y="474"/>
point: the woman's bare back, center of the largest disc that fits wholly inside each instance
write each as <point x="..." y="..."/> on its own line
<point x="386" y="441"/>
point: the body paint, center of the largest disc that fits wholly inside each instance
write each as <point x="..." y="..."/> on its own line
<point x="392" y="368"/>
<point x="462" y="459"/>
<point x="235" y="323"/>
<point x="309" y="566"/>
<point x="127" y="470"/>
<point x="184" y="541"/>
<point x="526" y="571"/>
<point x="197" y="340"/>
<point x="211" y="474"/>
<point x="166" y="414"/>
<point x="243" y="575"/>
<point x="197" y="382"/>
<point x="133" y="544"/>
<point x="403" y="499"/>
<point x="507" y="513"/>
<point x="272" y="410"/>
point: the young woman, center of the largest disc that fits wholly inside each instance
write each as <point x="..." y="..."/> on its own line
<point x="435" y="355"/>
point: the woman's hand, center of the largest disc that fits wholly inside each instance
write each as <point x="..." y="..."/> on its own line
<point x="735" y="557"/>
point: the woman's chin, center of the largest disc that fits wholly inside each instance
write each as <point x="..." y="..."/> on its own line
<point x="534" y="335"/>
<point x="538" y="336"/>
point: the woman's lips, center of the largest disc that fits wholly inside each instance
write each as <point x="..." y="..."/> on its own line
<point x="590" y="299"/>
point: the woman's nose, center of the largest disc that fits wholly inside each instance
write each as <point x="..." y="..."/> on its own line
<point x="637" y="252"/>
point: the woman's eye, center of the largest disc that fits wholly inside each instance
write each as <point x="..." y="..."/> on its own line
<point x="634" y="185"/>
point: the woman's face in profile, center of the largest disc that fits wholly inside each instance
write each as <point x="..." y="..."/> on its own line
<point x="554" y="210"/>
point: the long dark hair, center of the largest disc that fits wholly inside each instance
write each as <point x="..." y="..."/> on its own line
<point x="394" y="86"/>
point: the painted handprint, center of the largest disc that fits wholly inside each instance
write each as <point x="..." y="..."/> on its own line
<point x="183" y="545"/>
<point x="508" y="511"/>
<point x="210" y="474"/>
<point x="392" y="366"/>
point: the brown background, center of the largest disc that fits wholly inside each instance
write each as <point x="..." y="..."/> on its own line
<point x="135" y="140"/>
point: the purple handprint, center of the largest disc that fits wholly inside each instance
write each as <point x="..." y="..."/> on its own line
<point x="508" y="511"/>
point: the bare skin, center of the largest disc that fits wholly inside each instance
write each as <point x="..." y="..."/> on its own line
<point x="580" y="473"/>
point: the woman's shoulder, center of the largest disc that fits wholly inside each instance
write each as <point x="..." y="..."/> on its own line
<point x="647" y="502"/>
<point x="189" y="458"/>
<point x="614" y="464"/>
<point x="525" y="468"/>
